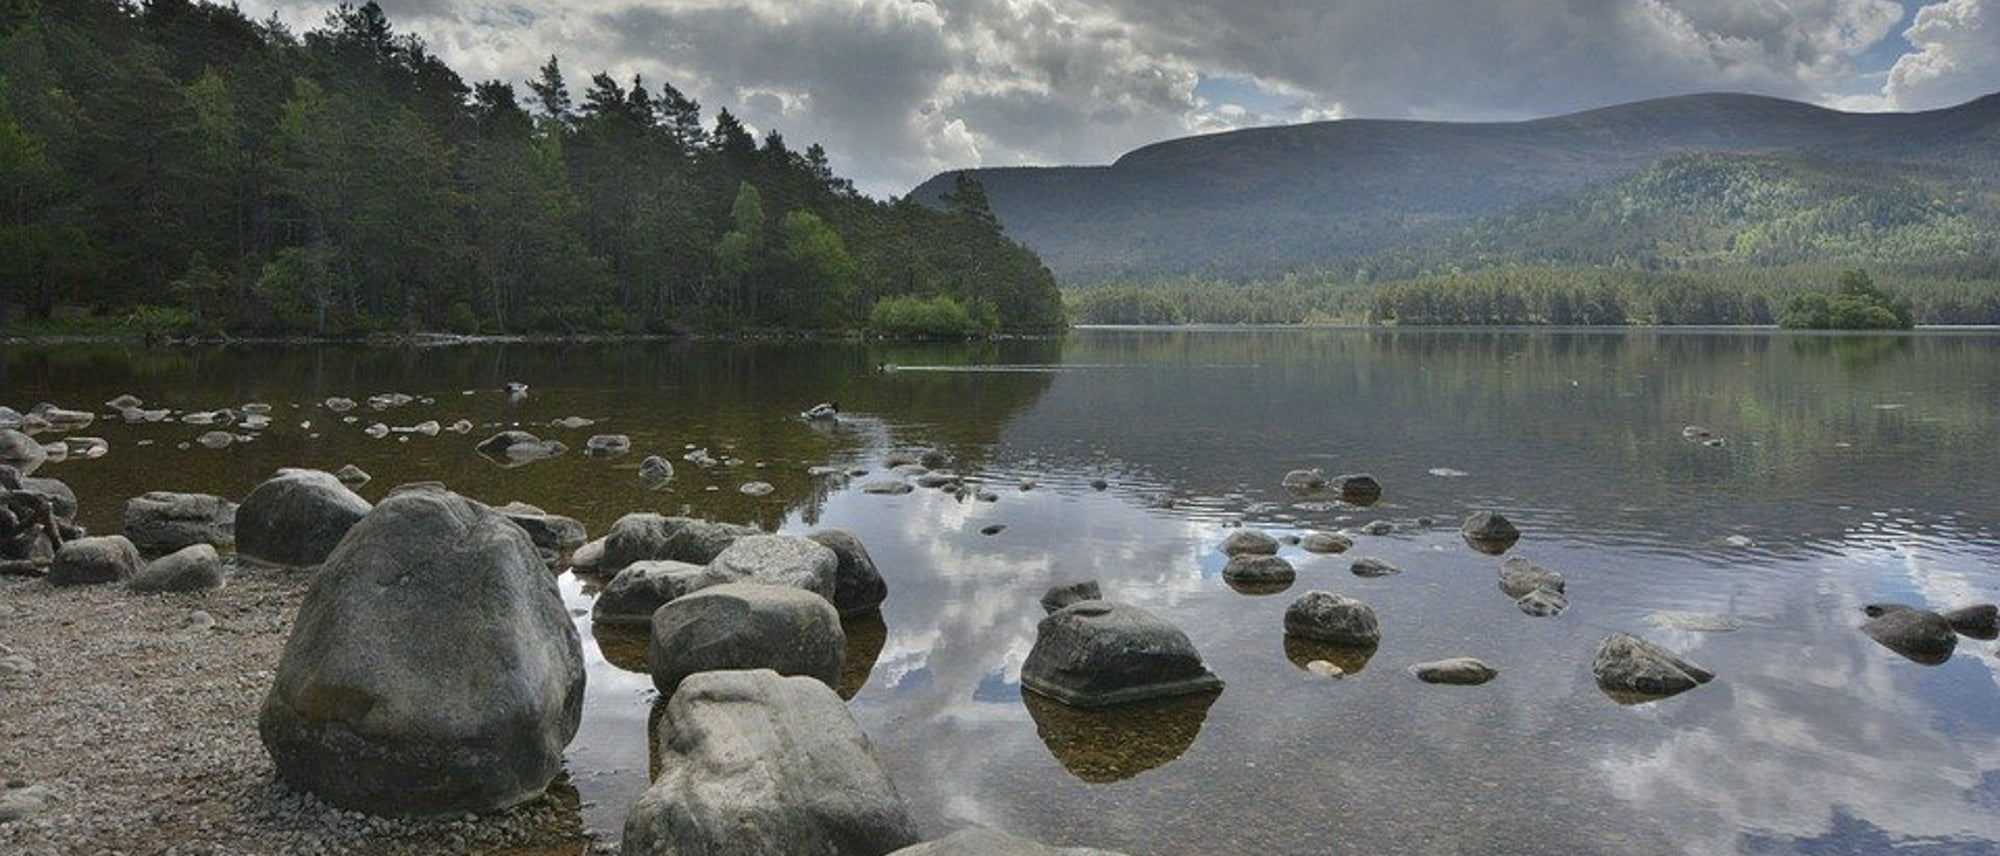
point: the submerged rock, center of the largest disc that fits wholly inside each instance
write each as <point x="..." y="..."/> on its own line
<point x="1100" y="745"/>
<point x="1463" y="671"/>
<point x="1920" y="635"/>
<point x="887" y="487"/>
<point x="1628" y="665"/>
<point x="1063" y="595"/>
<point x="163" y="522"/>
<point x="432" y="668"/>
<point x="746" y="626"/>
<point x="1542" y="603"/>
<point x="1097" y="653"/>
<point x="297" y="518"/>
<point x="656" y="471"/>
<point x="193" y="568"/>
<point x="352" y="476"/>
<point x="607" y="445"/>
<point x="1305" y="481"/>
<point x="1327" y="617"/>
<point x="754" y="763"/>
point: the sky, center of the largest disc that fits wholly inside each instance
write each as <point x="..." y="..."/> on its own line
<point x="899" y="90"/>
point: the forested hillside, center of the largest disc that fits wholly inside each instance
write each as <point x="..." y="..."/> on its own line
<point x="179" y="164"/>
<point x="1693" y="182"/>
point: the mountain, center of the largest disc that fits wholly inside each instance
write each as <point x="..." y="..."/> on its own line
<point x="1361" y="193"/>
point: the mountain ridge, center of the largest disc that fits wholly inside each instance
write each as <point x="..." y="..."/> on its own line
<point x="1343" y="193"/>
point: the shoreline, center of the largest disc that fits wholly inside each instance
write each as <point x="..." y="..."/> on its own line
<point x="139" y="719"/>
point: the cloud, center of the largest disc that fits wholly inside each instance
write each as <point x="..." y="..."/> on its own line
<point x="1956" y="56"/>
<point x="900" y="89"/>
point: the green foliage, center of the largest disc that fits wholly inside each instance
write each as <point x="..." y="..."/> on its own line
<point x="347" y="181"/>
<point x="1856" y="304"/>
<point x="935" y="318"/>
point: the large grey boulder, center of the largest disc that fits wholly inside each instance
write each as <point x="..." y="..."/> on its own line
<point x="752" y="763"/>
<point x="746" y="626"/>
<point x="296" y="518"/>
<point x="193" y="568"/>
<point x="1329" y="617"/>
<point x="432" y="668"/>
<point x="21" y="451"/>
<point x="648" y="536"/>
<point x="1918" y="634"/>
<point x="548" y="531"/>
<point x="1097" y="653"/>
<point x="642" y="587"/>
<point x="163" y="521"/>
<point x="1628" y="665"/>
<point x="1244" y="542"/>
<point x="782" y="560"/>
<point x="981" y="841"/>
<point x="857" y="584"/>
<point x="88" y="561"/>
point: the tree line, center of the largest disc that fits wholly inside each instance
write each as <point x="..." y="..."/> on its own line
<point x="1556" y="296"/>
<point x="180" y="164"/>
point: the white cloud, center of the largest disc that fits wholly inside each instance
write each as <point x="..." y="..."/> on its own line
<point x="1956" y="56"/>
<point x="900" y="89"/>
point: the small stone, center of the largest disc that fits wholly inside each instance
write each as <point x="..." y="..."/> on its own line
<point x="1325" y="543"/>
<point x="1463" y="671"/>
<point x="1378" y="527"/>
<point x="1328" y="617"/>
<point x="1372" y="566"/>
<point x="1628" y="665"/>
<point x="993" y="529"/>
<point x="887" y="487"/>
<point x="1978" y="622"/>
<point x="756" y="488"/>
<point x="1248" y="542"/>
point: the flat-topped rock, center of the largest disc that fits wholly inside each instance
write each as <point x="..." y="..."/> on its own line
<point x="1097" y="653"/>
<point x="1460" y="671"/>
<point x="746" y="626"/>
<point x="163" y="521"/>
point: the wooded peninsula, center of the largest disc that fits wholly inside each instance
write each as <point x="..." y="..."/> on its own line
<point x="173" y="167"/>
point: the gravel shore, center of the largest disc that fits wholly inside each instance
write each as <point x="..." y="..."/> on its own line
<point x="128" y="725"/>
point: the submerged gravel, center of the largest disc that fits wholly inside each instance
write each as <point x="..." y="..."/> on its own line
<point x="128" y="725"/>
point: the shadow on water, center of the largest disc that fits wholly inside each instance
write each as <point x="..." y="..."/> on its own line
<point x="1111" y="744"/>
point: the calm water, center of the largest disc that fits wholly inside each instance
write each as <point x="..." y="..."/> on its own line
<point x="1855" y="469"/>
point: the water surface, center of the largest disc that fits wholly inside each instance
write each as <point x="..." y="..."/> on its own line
<point x="1852" y="469"/>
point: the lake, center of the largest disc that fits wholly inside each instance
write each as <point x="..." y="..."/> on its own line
<point x="1851" y="469"/>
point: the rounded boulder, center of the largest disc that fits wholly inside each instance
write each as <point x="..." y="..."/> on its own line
<point x="746" y="626"/>
<point x="432" y="668"/>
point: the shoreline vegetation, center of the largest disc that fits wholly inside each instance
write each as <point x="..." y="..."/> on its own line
<point x="345" y="182"/>
<point x="1550" y="296"/>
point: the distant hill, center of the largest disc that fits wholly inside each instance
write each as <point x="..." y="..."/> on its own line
<point x="1691" y="180"/>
